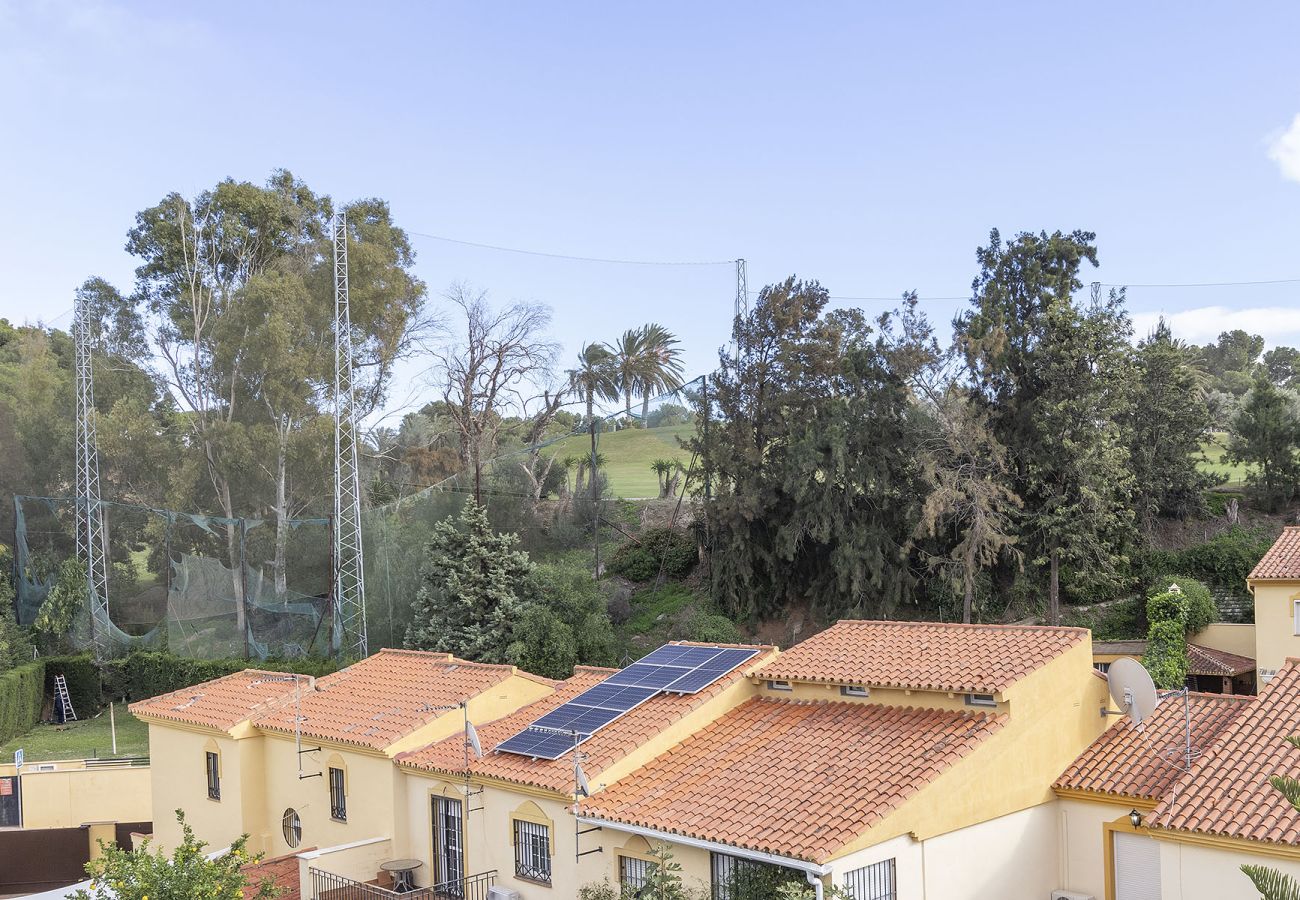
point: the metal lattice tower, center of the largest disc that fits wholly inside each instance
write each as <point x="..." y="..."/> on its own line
<point x="349" y="636"/>
<point x="742" y="290"/>
<point x="92" y="536"/>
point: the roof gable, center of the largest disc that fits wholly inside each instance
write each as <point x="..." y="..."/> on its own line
<point x="935" y="656"/>
<point x="1143" y="762"/>
<point x="222" y="703"/>
<point x="794" y="778"/>
<point x="1282" y="561"/>
<point x="384" y="697"/>
<point x="1227" y="792"/>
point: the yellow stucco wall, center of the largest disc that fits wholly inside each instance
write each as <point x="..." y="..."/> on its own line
<point x="1083" y="842"/>
<point x="1228" y="637"/>
<point x="800" y="690"/>
<point x="179" y="781"/>
<point x="1054" y="715"/>
<point x="369" y="779"/>
<point x="1275" y="637"/>
<point x="74" y="795"/>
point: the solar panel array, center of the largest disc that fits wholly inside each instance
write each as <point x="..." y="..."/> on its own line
<point x="672" y="669"/>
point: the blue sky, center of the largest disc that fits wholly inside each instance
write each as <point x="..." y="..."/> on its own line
<point x="870" y="146"/>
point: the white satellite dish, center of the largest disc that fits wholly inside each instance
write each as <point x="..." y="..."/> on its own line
<point x="471" y="739"/>
<point x="1131" y="688"/>
<point x="579" y="776"/>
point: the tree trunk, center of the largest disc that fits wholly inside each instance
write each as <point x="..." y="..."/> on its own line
<point x="968" y="583"/>
<point x="281" y="517"/>
<point x="1054" y="589"/>
<point x="645" y="410"/>
<point x="627" y="404"/>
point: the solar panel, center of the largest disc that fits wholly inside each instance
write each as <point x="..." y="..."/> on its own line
<point x="711" y="670"/>
<point x="673" y="668"/>
<point x="541" y="744"/>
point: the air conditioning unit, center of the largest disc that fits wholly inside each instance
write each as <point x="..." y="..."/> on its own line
<point x="1071" y="895"/>
<point x="502" y="893"/>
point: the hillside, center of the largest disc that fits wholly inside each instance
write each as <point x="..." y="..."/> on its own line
<point x="628" y="454"/>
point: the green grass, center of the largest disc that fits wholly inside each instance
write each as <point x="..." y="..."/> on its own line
<point x="628" y="455"/>
<point x="82" y="740"/>
<point x="1213" y="448"/>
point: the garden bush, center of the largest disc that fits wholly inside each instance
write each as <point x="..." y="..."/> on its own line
<point x="1199" y="606"/>
<point x="21" y="697"/>
<point x="83" y="682"/>
<point x="640" y="561"/>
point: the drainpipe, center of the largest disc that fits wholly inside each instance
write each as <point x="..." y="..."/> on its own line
<point x="815" y="881"/>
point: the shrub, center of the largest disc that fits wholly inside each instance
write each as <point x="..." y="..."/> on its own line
<point x="1200" y="608"/>
<point x="640" y="560"/>
<point x="1166" y="656"/>
<point x="709" y="629"/>
<point x="22" y="694"/>
<point x="1167" y="606"/>
<point x="1226" y="558"/>
<point x="84" y="689"/>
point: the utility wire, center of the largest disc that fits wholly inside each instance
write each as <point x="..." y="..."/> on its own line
<point x="593" y="259"/>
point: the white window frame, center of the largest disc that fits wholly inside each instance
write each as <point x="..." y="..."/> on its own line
<point x="878" y="881"/>
<point x="1295" y="616"/>
<point x="855" y="690"/>
<point x="985" y="700"/>
<point x="780" y="686"/>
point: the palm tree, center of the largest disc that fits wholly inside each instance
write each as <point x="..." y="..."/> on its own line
<point x="660" y="368"/>
<point x="596" y="375"/>
<point x="629" y="359"/>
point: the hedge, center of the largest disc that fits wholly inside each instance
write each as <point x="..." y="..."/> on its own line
<point x="145" y="674"/>
<point x="22" y="695"/>
<point x="83" y="682"/>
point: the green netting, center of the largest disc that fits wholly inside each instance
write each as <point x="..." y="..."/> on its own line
<point x="204" y="587"/>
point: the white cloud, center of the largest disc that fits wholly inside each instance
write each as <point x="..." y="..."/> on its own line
<point x="1203" y="324"/>
<point x="1284" y="149"/>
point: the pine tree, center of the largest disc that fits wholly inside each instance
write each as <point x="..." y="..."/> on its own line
<point x="1264" y="435"/>
<point x="1054" y="379"/>
<point x="476" y="587"/>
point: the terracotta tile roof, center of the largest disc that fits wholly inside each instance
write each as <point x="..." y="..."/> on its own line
<point x="1227" y="792"/>
<point x="1208" y="661"/>
<point x="1200" y="660"/>
<point x="611" y="743"/>
<point x="221" y="703"/>
<point x="1128" y="761"/>
<point x="282" y="871"/>
<point x="385" y="697"/>
<point x="1282" y="561"/>
<point x="794" y="778"/>
<point x="983" y="659"/>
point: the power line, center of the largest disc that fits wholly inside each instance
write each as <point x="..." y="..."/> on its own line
<point x="593" y="259"/>
<point x="1196" y="284"/>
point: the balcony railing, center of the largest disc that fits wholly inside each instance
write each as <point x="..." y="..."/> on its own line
<point x="328" y="886"/>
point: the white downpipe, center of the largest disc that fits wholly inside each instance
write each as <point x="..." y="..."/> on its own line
<point x="812" y="871"/>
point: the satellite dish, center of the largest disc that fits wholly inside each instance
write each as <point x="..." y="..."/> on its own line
<point x="471" y="739"/>
<point x="579" y="776"/>
<point x="1131" y="688"/>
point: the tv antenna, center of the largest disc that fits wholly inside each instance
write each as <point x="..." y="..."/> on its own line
<point x="297" y="716"/>
<point x="581" y="788"/>
<point x="1135" y="694"/>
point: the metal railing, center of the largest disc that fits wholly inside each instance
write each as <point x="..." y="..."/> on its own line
<point x="328" y="886"/>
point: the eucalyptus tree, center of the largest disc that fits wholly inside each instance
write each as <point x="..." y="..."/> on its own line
<point x="240" y="281"/>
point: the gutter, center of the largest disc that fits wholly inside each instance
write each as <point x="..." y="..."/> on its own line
<point x="814" y="872"/>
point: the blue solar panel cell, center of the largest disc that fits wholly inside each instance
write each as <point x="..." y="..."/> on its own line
<point x="673" y="668"/>
<point x="540" y="744"/>
<point x="575" y="717"/>
<point x="651" y="676"/>
<point x="723" y="661"/>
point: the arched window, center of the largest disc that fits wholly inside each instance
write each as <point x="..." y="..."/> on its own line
<point x="291" y="828"/>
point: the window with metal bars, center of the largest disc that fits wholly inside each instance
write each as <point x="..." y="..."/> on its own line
<point x="873" y="882"/>
<point x="532" y="851"/>
<point x="338" y="796"/>
<point x="633" y="874"/>
<point x="213" y="764"/>
<point x="737" y="878"/>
